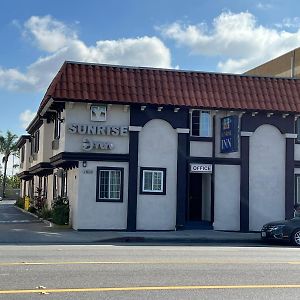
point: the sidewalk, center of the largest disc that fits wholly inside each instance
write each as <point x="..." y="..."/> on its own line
<point x="18" y="227"/>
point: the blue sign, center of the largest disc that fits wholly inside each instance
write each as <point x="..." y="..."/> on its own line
<point x="229" y="134"/>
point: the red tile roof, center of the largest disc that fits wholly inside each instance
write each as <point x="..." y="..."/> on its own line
<point x="121" y="84"/>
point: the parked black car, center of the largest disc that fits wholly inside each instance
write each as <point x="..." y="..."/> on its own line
<point x="288" y="230"/>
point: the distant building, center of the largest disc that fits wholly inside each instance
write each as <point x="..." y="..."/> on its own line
<point x="286" y="65"/>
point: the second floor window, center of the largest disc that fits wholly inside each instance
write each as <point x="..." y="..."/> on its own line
<point x="36" y="141"/>
<point x="22" y="154"/>
<point x="201" y="124"/>
<point x="57" y="125"/>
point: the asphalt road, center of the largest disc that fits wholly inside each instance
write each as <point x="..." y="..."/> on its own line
<point x="149" y="272"/>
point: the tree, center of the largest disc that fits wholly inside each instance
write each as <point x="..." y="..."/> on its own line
<point x="7" y="147"/>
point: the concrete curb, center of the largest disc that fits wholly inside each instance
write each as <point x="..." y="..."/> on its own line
<point x="47" y="222"/>
<point x="141" y="239"/>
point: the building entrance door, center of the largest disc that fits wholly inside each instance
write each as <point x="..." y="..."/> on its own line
<point x="195" y="197"/>
<point x="199" y="202"/>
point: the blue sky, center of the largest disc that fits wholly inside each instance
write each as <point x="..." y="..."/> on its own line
<point x="222" y="36"/>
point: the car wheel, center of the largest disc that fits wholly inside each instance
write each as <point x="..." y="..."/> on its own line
<point x="296" y="237"/>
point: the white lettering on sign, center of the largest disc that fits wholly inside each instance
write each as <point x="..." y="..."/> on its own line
<point x="98" y="130"/>
<point x="200" y="168"/>
<point x="226" y="143"/>
<point x="89" y="144"/>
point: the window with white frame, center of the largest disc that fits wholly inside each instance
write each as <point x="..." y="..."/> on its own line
<point x="153" y="181"/>
<point x="109" y="184"/>
<point x="201" y="123"/>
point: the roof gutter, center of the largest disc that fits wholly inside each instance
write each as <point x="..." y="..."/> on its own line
<point x="47" y="106"/>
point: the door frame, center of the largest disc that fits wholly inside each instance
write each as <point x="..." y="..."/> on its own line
<point x="212" y="192"/>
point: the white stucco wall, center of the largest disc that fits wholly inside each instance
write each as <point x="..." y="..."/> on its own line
<point x="89" y="214"/>
<point x="266" y="176"/>
<point x="158" y="148"/>
<point x="79" y="113"/>
<point x="72" y="186"/>
<point x="46" y="140"/>
<point x="218" y="117"/>
<point x="297" y="151"/>
<point x="200" y="149"/>
<point x="227" y="198"/>
<point x="62" y="139"/>
<point x="25" y="165"/>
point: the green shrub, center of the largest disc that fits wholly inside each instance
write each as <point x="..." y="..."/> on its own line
<point x="45" y="213"/>
<point x="20" y="202"/>
<point x="32" y="209"/>
<point x="60" y="210"/>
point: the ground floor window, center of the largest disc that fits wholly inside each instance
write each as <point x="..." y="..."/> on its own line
<point x="153" y="181"/>
<point x="45" y="185"/>
<point x="64" y="187"/>
<point x="109" y="184"/>
<point x="55" y="186"/>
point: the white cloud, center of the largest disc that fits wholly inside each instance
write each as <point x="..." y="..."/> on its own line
<point x="49" y="34"/>
<point x="62" y="43"/>
<point x="237" y="37"/>
<point x="26" y="117"/>
<point x="289" y="23"/>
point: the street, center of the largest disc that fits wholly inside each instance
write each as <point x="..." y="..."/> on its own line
<point x="39" y="261"/>
<point x="148" y="272"/>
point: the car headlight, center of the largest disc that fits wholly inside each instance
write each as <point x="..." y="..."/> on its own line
<point x="277" y="227"/>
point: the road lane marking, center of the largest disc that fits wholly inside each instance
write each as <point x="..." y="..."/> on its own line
<point x="152" y="288"/>
<point x="25" y="263"/>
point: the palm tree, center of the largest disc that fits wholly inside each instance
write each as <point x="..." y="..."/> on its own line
<point x="7" y="147"/>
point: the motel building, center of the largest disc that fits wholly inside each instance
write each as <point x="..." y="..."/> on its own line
<point x="155" y="149"/>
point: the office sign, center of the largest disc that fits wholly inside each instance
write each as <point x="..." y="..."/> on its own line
<point x="229" y="134"/>
<point x="200" y="168"/>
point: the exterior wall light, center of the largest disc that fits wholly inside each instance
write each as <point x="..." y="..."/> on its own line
<point x="84" y="164"/>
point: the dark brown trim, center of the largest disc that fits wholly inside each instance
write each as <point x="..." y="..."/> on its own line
<point x="25" y="175"/>
<point x="34" y="125"/>
<point x="212" y="213"/>
<point x="98" y="184"/>
<point x="200" y="139"/>
<point x="244" y="184"/>
<point x="41" y="169"/>
<point x="250" y="123"/>
<point x="175" y="119"/>
<point x="215" y="160"/>
<point x="22" y="140"/>
<point x="74" y="157"/>
<point x="289" y="178"/>
<point x="132" y="179"/>
<point x="182" y="179"/>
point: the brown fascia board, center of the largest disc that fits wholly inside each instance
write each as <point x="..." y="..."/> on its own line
<point x="35" y="124"/>
<point x="22" y="140"/>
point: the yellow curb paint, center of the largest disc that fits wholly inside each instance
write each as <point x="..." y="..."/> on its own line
<point x="152" y="288"/>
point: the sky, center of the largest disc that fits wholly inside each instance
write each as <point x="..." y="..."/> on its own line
<point x="36" y="37"/>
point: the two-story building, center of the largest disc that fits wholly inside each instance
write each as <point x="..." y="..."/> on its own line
<point x="154" y="149"/>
